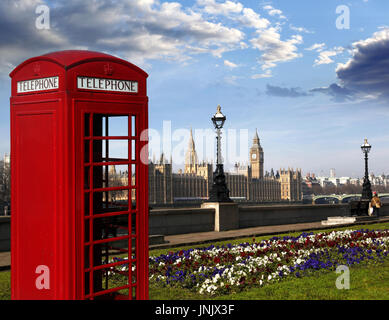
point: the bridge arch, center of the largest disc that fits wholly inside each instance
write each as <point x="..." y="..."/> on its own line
<point x="344" y="198"/>
<point x="325" y="199"/>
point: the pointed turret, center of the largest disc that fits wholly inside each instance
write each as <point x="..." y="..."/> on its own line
<point x="162" y="158"/>
<point x="256" y="138"/>
<point x="191" y="161"/>
<point x="191" y="145"/>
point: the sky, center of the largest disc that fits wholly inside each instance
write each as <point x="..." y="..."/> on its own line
<point x="310" y="76"/>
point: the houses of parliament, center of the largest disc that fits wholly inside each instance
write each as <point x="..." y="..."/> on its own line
<point x="246" y="182"/>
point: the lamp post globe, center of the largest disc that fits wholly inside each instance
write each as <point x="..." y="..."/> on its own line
<point x="218" y="118"/>
<point x="219" y="191"/>
<point x="366" y="147"/>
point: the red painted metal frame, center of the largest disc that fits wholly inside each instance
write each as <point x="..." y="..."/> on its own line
<point x="64" y="109"/>
<point x="118" y="111"/>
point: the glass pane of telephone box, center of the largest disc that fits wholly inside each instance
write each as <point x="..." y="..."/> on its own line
<point x="118" y="126"/>
<point x="112" y="278"/>
<point x="133" y="199"/>
<point x="133" y="224"/>
<point x="109" y="125"/>
<point x="105" y="279"/>
<point x="110" y="227"/>
<point x="133" y="273"/>
<point x="133" y="126"/>
<point x="133" y="175"/>
<point x="87" y="125"/>
<point x="110" y="201"/>
<point x="110" y="150"/>
<point x="111" y="252"/>
<point x="133" y="150"/>
<point x="107" y="227"/>
<point x="86" y="151"/>
<point x="112" y="176"/>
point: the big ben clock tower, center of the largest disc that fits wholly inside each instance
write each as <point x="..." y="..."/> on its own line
<point x="256" y="158"/>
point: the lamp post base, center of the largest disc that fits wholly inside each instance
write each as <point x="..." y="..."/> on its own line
<point x="219" y="191"/>
<point x="366" y="190"/>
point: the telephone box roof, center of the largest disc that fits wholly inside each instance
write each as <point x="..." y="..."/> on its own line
<point x="71" y="58"/>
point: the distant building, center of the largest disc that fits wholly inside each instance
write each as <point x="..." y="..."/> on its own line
<point x="291" y="185"/>
<point x="347" y="184"/>
<point x="355" y="181"/>
<point x="245" y="182"/>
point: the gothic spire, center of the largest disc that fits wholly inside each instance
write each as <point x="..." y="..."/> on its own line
<point x="256" y="138"/>
<point x="191" y="141"/>
<point x="191" y="161"/>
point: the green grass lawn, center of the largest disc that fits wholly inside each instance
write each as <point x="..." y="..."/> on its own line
<point x="366" y="282"/>
<point x="5" y="285"/>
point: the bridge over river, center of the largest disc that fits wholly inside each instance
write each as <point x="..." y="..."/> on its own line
<point x="339" y="198"/>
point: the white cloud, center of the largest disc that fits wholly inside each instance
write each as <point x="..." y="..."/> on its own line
<point x="235" y="11"/>
<point x="251" y="19"/>
<point x="138" y="30"/>
<point x="230" y="64"/>
<point x="142" y="30"/>
<point x="218" y="8"/>
<point x="325" y="56"/>
<point x="274" y="12"/>
<point x="243" y="45"/>
<point x="299" y="29"/>
<point x="274" y="49"/>
<point x="267" y="74"/>
<point x="317" y="47"/>
<point x="231" y="80"/>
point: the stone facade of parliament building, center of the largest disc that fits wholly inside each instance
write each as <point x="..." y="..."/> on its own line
<point x="246" y="183"/>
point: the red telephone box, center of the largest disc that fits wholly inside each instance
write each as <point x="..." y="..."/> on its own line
<point x="79" y="223"/>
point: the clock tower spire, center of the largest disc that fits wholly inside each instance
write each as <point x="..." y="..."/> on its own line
<point x="256" y="158"/>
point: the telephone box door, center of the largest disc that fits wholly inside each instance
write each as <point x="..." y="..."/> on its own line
<point x="111" y="200"/>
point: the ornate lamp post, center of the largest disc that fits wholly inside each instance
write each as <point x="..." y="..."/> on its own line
<point x="366" y="191"/>
<point x="219" y="191"/>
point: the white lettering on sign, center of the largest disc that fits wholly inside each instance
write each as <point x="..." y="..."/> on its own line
<point x="107" y="84"/>
<point x="38" y="85"/>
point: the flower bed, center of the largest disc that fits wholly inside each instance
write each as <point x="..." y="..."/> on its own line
<point x="220" y="270"/>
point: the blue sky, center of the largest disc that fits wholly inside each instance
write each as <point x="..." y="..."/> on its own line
<point x="313" y="90"/>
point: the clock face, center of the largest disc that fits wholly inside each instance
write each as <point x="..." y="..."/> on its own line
<point x="254" y="156"/>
